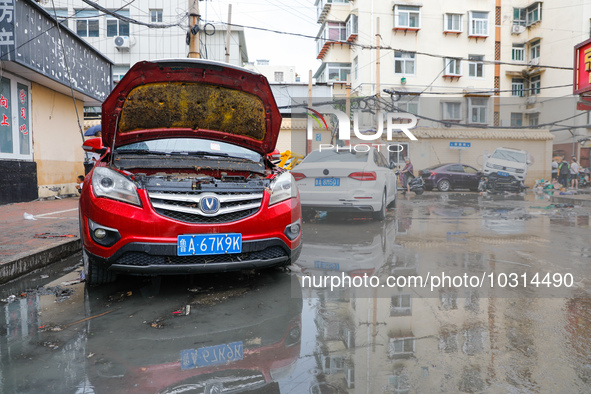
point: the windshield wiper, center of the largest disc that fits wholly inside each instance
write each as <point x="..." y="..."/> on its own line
<point x="200" y="153"/>
<point x="141" y="151"/>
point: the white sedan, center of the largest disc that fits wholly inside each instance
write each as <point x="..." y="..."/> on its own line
<point x="346" y="181"/>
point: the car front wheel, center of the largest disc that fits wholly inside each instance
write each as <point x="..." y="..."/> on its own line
<point x="95" y="274"/>
<point x="444" y="185"/>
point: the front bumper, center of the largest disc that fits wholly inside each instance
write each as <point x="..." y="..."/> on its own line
<point x="142" y="258"/>
<point x="340" y="208"/>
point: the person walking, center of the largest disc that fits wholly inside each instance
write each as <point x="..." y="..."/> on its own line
<point x="554" y="168"/>
<point x="563" y="173"/>
<point x="574" y="173"/>
<point x="407" y="173"/>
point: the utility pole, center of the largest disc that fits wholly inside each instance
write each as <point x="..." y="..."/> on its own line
<point x="378" y="86"/>
<point x="228" y="33"/>
<point x="194" y="29"/>
<point x="348" y="102"/>
<point x="308" y="120"/>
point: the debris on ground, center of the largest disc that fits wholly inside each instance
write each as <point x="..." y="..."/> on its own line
<point x="28" y="216"/>
<point x="49" y="235"/>
<point x="120" y="296"/>
<point x="184" y="311"/>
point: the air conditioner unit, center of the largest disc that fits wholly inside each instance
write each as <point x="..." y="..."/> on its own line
<point x="534" y="62"/>
<point x="530" y="100"/>
<point x="121" y="42"/>
<point x="517" y="29"/>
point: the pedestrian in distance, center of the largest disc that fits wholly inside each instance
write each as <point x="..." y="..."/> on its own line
<point x="407" y="173"/>
<point x="555" y="168"/>
<point x="563" y="172"/>
<point x="79" y="183"/>
<point x="574" y="173"/>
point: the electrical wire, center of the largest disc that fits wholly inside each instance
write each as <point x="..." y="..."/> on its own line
<point x="127" y="19"/>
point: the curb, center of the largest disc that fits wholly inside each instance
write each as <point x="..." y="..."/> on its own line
<point x="583" y="202"/>
<point x="26" y="262"/>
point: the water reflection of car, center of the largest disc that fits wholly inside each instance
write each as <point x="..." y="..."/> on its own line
<point x="336" y="180"/>
<point x="246" y="342"/>
<point x="185" y="185"/>
<point x="446" y="177"/>
<point x="505" y="220"/>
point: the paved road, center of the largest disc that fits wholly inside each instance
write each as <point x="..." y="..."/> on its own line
<point x="266" y="333"/>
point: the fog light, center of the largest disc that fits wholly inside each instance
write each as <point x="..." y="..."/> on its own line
<point x="293" y="230"/>
<point x="100" y="233"/>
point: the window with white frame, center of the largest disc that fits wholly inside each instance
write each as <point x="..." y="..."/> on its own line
<point x="406" y="16"/>
<point x="87" y="23"/>
<point x="476" y="66"/>
<point x="399" y="152"/>
<point x="337" y="72"/>
<point x="404" y="63"/>
<point x="351" y="25"/>
<point x="535" y="85"/>
<point x="336" y="31"/>
<point x="156" y="15"/>
<point x="534" y="119"/>
<point x="517" y="87"/>
<point x="15" y="113"/>
<point x="408" y="104"/>
<point x="453" y="67"/>
<point x="278" y="76"/>
<point x="452" y="111"/>
<point x="453" y="23"/>
<point x="519" y="16"/>
<point x="400" y="305"/>
<point x="119" y="71"/>
<point x="401" y="347"/>
<point x="518" y="53"/>
<point x="516" y="119"/>
<point x="534" y="50"/>
<point x="356" y="68"/>
<point x="478" y="110"/>
<point x="478" y="23"/>
<point x="61" y="15"/>
<point x="534" y="13"/>
<point x="117" y="27"/>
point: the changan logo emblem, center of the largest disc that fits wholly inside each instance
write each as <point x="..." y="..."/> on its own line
<point x="209" y="205"/>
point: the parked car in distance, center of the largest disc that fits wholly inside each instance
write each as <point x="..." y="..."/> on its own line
<point x="446" y="177"/>
<point x="346" y="181"/>
<point x="507" y="161"/>
<point x="184" y="184"/>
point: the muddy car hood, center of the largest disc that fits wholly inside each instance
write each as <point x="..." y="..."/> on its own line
<point x="191" y="98"/>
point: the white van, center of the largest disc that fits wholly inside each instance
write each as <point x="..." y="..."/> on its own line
<point x="507" y="161"/>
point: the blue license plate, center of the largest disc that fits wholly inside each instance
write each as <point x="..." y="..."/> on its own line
<point x="324" y="265"/>
<point x="211" y="355"/>
<point x="327" y="182"/>
<point x="502" y="173"/>
<point x="206" y="244"/>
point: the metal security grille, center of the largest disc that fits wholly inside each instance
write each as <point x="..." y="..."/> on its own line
<point x="184" y="206"/>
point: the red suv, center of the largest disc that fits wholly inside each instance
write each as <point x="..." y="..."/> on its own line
<point x="184" y="184"/>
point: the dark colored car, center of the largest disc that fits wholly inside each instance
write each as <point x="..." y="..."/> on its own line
<point x="184" y="184"/>
<point x="446" y="177"/>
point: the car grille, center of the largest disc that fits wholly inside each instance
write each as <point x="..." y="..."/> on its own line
<point x="510" y="169"/>
<point x="144" y="259"/>
<point x="185" y="206"/>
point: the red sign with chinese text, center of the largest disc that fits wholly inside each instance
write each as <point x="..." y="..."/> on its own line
<point x="582" y="62"/>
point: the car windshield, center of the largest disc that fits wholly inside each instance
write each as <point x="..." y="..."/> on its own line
<point x="509" y="155"/>
<point x="189" y="146"/>
<point x="329" y="155"/>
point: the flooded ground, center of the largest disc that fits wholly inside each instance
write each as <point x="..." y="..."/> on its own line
<point x="266" y="333"/>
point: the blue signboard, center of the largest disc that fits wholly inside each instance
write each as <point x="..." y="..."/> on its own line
<point x="459" y="145"/>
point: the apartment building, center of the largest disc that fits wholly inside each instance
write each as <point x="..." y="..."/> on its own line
<point x="465" y="66"/>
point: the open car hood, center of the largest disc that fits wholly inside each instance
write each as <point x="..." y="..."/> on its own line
<point x="191" y="98"/>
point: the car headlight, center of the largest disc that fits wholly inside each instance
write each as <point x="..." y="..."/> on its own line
<point x="488" y="165"/>
<point x="283" y="188"/>
<point x="111" y="184"/>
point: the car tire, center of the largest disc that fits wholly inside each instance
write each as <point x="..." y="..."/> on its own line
<point x="94" y="273"/>
<point x="419" y="191"/>
<point x="444" y="185"/>
<point x="381" y="214"/>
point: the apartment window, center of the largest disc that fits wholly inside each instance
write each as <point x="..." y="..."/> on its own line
<point x="351" y="26"/>
<point x="478" y="110"/>
<point x="337" y="31"/>
<point x="156" y="16"/>
<point x="516" y="119"/>
<point x="478" y="23"/>
<point x="397" y="154"/>
<point x="401" y="347"/>
<point x="356" y="68"/>
<point x="452" y="111"/>
<point x="518" y="53"/>
<point x="119" y="72"/>
<point x="338" y="72"/>
<point x="400" y="305"/>
<point x="453" y="23"/>
<point x="534" y="13"/>
<point x="61" y="15"/>
<point x="517" y="87"/>
<point x="453" y="67"/>
<point x="476" y="66"/>
<point x="404" y="63"/>
<point x="534" y="50"/>
<point x="87" y="23"/>
<point x="118" y="27"/>
<point x="534" y="119"/>
<point x="519" y="16"/>
<point x="278" y="76"/>
<point x="15" y="131"/>
<point x="409" y="105"/>
<point x="407" y="17"/>
<point x="535" y="84"/>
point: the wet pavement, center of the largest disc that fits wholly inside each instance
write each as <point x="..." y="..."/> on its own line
<point x="265" y="333"/>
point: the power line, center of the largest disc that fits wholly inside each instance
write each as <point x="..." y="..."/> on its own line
<point x="127" y="19"/>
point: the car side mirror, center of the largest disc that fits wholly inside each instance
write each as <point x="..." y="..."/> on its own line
<point x="528" y="162"/>
<point x="94" y="145"/>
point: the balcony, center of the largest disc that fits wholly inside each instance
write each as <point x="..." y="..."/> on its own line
<point x="323" y="8"/>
